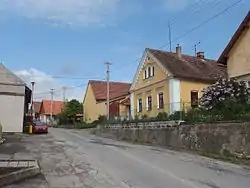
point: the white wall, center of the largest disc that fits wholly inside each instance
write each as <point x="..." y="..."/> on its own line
<point x="132" y="108"/>
<point x="12" y="113"/>
<point x="174" y="95"/>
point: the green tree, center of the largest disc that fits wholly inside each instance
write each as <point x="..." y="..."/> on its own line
<point x="72" y="108"/>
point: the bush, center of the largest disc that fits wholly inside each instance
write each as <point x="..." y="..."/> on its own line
<point x="162" y="116"/>
<point x="224" y="91"/>
<point x="177" y="115"/>
<point x="144" y="117"/>
<point x="85" y="126"/>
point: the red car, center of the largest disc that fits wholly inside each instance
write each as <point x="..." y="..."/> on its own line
<point x="39" y="127"/>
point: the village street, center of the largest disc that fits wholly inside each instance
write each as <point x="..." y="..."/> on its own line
<point x="73" y="158"/>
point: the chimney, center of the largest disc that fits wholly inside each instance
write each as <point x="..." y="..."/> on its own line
<point x="201" y="55"/>
<point x="178" y="51"/>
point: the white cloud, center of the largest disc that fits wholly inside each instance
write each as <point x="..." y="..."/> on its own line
<point x="62" y="12"/>
<point x="45" y="82"/>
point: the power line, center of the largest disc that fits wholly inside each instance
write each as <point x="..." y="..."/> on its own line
<point x="193" y="29"/>
<point x="55" y="77"/>
<point x="205" y="22"/>
<point x="211" y="3"/>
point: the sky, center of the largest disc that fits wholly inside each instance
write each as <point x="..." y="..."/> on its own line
<point x="59" y="43"/>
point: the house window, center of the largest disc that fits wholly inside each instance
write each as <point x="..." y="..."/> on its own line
<point x="160" y="101"/>
<point x="149" y="103"/>
<point x="194" y="99"/>
<point x="139" y="105"/>
<point x="145" y="74"/>
<point x="153" y="71"/>
<point x="149" y="72"/>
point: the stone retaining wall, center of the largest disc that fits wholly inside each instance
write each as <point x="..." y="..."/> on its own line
<point x="213" y="138"/>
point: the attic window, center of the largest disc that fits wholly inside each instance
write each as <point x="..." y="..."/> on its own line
<point x="149" y="72"/>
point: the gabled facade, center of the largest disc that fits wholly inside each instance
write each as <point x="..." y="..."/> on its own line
<point x="236" y="55"/>
<point x="94" y="103"/>
<point x="169" y="82"/>
<point x="49" y="107"/>
<point x="14" y="99"/>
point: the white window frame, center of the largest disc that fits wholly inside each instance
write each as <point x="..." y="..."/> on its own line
<point x="138" y="104"/>
<point x="147" y="104"/>
<point x="149" y="72"/>
<point x="158" y="100"/>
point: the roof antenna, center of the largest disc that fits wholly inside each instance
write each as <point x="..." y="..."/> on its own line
<point x="195" y="47"/>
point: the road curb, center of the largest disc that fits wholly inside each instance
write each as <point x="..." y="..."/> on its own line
<point x="21" y="174"/>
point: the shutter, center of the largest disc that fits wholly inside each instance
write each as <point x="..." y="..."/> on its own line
<point x="153" y="71"/>
<point x="147" y="103"/>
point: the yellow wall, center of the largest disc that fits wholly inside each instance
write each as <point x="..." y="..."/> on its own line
<point x="239" y="57"/>
<point x="123" y="110"/>
<point x="151" y="86"/>
<point x="152" y="91"/>
<point x="159" y="75"/>
<point x="92" y="109"/>
<point x="186" y="87"/>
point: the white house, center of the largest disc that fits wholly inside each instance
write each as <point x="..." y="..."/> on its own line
<point x="14" y="99"/>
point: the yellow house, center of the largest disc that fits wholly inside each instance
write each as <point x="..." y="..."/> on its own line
<point x="169" y="82"/>
<point x="94" y="103"/>
<point x="237" y="53"/>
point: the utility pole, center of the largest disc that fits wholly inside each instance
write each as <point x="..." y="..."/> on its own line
<point x="170" y="36"/>
<point x="32" y="99"/>
<point x="51" y="104"/>
<point x="64" y="93"/>
<point x="108" y="87"/>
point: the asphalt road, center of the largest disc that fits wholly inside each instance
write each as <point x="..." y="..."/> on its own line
<point x="137" y="166"/>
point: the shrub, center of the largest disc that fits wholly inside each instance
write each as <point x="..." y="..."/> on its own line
<point x="162" y="116"/>
<point x="177" y="115"/>
<point x="223" y="91"/>
<point x="85" y="126"/>
<point x="144" y="117"/>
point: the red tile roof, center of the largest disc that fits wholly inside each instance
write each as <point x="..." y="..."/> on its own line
<point x="37" y="106"/>
<point x="190" y="67"/>
<point x="117" y="89"/>
<point x="56" y="106"/>
<point x="244" y="25"/>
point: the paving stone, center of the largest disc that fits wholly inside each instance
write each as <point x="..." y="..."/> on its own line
<point x="23" y="164"/>
<point x="4" y="163"/>
<point x="13" y="164"/>
<point x="32" y="163"/>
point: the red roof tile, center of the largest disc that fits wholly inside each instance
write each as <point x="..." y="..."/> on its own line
<point x="190" y="67"/>
<point x="37" y="106"/>
<point x="56" y="106"/>
<point x="117" y="89"/>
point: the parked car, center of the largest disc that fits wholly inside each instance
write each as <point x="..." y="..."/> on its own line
<point x="39" y="127"/>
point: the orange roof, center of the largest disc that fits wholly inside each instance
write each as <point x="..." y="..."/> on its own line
<point x="243" y="26"/>
<point x="117" y="89"/>
<point x="56" y="107"/>
<point x="37" y="106"/>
